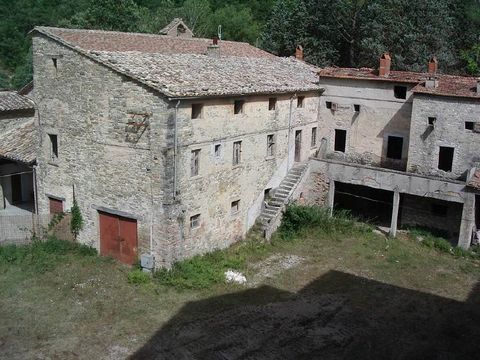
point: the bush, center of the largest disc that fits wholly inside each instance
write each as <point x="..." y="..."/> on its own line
<point x="138" y="276"/>
<point x="297" y="217"/>
<point x="442" y="245"/>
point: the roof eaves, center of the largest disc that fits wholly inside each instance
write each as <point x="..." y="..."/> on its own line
<point x="42" y="30"/>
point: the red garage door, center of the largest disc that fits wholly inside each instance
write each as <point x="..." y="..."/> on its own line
<point x="118" y="237"/>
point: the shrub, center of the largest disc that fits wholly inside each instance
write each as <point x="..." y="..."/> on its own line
<point x="76" y="221"/>
<point x="138" y="276"/>
<point x="442" y="245"/>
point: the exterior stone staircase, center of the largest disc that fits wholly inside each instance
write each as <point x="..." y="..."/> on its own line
<point x="270" y="217"/>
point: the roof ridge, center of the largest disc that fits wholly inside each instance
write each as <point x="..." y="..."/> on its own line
<point x="144" y="34"/>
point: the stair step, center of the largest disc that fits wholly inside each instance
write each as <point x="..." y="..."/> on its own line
<point x="292" y="178"/>
<point x="288" y="182"/>
<point x="269" y="211"/>
<point x="276" y="203"/>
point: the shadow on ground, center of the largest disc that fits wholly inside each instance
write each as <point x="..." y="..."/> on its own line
<point x="337" y="316"/>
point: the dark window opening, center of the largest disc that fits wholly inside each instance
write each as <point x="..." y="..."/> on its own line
<point x="340" y="140"/>
<point x="400" y="92"/>
<point x="197" y="111"/>
<point x="235" y="206"/>
<point x="431" y="120"/>
<point x="218" y="150"/>
<point x="195" y="163"/>
<point x="195" y="221"/>
<point x="439" y="210"/>
<point x="328" y="104"/>
<point x="238" y="107"/>
<point x="313" y="142"/>
<point x="270" y="145"/>
<point x="300" y="100"/>
<point x="237" y="152"/>
<point x="272" y="103"/>
<point x="394" y="147"/>
<point x="445" y="158"/>
<point x="469" y="125"/>
<point x="53" y="146"/>
<point x="55" y="64"/>
<point x="356" y="107"/>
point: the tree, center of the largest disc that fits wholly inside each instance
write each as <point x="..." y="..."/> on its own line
<point x="237" y="24"/>
<point x="119" y="15"/>
<point x="76" y="221"/>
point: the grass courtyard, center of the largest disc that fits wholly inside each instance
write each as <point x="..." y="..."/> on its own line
<point x="332" y="289"/>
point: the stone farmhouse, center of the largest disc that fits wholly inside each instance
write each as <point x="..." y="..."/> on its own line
<point x="175" y="146"/>
<point x="169" y="144"/>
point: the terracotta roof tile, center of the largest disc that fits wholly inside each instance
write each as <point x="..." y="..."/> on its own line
<point x="148" y="43"/>
<point x="201" y="75"/>
<point x="448" y="85"/>
<point x="11" y="101"/>
<point x="20" y="143"/>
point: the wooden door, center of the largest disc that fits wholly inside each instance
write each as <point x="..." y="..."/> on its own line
<point x="16" y="189"/>
<point x="298" y="145"/>
<point x="118" y="237"/>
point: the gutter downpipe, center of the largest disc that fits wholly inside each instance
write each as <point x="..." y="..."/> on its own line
<point x="289" y="131"/>
<point x="175" y="150"/>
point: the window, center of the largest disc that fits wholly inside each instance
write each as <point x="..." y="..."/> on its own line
<point x="439" y="210"/>
<point x="300" y="101"/>
<point x="237" y="152"/>
<point x="197" y="111"/>
<point x="195" y="221"/>
<point x="235" y="207"/>
<point x="314" y="137"/>
<point x="238" y="107"/>
<point x="272" y="103"/>
<point x="270" y="145"/>
<point x="328" y="104"/>
<point x="400" y="92"/>
<point x="340" y="140"/>
<point x="218" y="150"/>
<point x="469" y="125"/>
<point x="195" y="163"/>
<point x="356" y="107"/>
<point x="56" y="205"/>
<point x="394" y="147"/>
<point x="432" y="120"/>
<point x="53" y="146"/>
<point x="445" y="158"/>
<point x="55" y="63"/>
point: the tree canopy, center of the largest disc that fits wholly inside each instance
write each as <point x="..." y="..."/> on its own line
<point x="341" y="32"/>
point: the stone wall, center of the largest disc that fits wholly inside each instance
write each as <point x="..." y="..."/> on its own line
<point x="111" y="166"/>
<point x="381" y="115"/>
<point x="449" y="130"/>
<point x="219" y="182"/>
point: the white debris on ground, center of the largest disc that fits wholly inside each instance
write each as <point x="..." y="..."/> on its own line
<point x="235" y="276"/>
<point x="274" y="265"/>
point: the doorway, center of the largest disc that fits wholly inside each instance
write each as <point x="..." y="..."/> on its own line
<point x="118" y="237"/>
<point x="298" y="145"/>
<point x="16" y="189"/>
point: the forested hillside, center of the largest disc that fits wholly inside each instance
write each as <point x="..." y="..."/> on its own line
<point x="340" y="32"/>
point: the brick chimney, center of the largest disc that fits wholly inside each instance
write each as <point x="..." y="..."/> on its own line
<point x="299" y="52"/>
<point x="213" y="50"/>
<point x="385" y="62"/>
<point x="433" y="65"/>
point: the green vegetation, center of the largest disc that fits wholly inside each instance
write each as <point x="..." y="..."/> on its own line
<point x="42" y="256"/>
<point x="340" y="32"/>
<point x="137" y="276"/>
<point x="76" y="221"/>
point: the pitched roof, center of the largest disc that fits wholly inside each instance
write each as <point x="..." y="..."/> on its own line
<point x="11" y="101"/>
<point x="179" y="67"/>
<point x="99" y="40"/>
<point x="448" y="85"/>
<point x="201" y="75"/>
<point x="20" y="143"/>
<point x="173" y="24"/>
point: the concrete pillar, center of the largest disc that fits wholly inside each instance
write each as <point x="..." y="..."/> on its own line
<point x="468" y="221"/>
<point x="2" y="197"/>
<point x="396" y="204"/>
<point x="331" y="196"/>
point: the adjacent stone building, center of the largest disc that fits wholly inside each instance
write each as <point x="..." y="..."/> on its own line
<point x="169" y="144"/>
<point x="399" y="147"/>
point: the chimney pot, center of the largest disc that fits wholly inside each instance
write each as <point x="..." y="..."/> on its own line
<point x="385" y="63"/>
<point x="431" y="82"/>
<point x="299" y="52"/>
<point x="433" y="65"/>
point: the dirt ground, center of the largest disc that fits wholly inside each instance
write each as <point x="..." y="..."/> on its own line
<point x="313" y="298"/>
